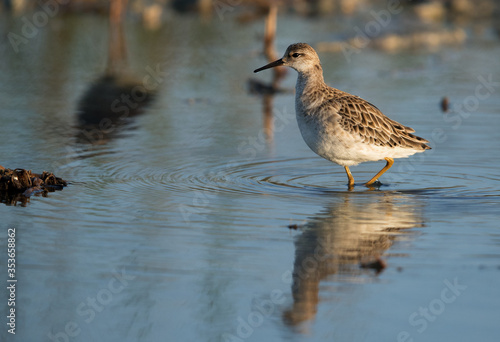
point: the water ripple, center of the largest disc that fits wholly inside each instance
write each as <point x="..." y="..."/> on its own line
<point x="279" y="177"/>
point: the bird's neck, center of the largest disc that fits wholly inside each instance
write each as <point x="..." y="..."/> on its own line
<point x="309" y="85"/>
<point x="311" y="78"/>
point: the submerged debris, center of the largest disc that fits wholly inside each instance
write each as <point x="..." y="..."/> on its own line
<point x="19" y="184"/>
<point x="445" y="104"/>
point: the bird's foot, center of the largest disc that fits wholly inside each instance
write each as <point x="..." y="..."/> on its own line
<point x="373" y="185"/>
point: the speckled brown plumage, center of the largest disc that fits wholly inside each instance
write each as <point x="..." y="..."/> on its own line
<point x="361" y="117"/>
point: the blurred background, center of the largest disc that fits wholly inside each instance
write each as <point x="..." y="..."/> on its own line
<point x="194" y="209"/>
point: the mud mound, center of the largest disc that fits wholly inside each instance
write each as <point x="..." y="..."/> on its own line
<point x="18" y="185"/>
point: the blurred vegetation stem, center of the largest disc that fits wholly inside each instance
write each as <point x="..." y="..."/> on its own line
<point x="269" y="37"/>
<point x="117" y="56"/>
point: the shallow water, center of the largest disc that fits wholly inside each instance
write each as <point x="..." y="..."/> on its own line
<point x="176" y="222"/>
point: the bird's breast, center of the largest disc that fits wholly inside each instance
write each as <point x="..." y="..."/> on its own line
<point x="320" y="128"/>
<point x="322" y="133"/>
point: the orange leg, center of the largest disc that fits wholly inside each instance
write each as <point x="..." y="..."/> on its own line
<point x="387" y="166"/>
<point x="349" y="175"/>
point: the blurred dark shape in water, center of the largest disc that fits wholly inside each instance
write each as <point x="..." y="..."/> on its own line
<point x="445" y="104"/>
<point x="116" y="97"/>
<point x="203" y="7"/>
<point x="112" y="99"/>
<point x="7" y="5"/>
<point x="345" y="241"/>
<point x="184" y="6"/>
<point x="378" y="265"/>
<point x="257" y="87"/>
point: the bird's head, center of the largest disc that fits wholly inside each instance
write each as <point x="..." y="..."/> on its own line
<point x="300" y="57"/>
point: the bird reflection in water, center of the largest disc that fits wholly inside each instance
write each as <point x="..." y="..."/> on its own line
<point x="337" y="242"/>
<point x="115" y="98"/>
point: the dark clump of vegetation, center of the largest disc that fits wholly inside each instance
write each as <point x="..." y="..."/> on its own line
<point x="18" y="185"/>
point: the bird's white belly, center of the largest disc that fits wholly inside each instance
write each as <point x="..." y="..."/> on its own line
<point x="331" y="142"/>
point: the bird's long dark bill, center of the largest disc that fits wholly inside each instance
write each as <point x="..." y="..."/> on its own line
<point x="270" y="65"/>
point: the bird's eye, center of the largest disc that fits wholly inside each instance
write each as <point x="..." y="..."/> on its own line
<point x="295" y="55"/>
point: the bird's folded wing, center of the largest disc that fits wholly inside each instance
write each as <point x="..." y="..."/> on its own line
<point x="362" y="118"/>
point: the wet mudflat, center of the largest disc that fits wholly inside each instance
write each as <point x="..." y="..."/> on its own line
<point x="186" y="219"/>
